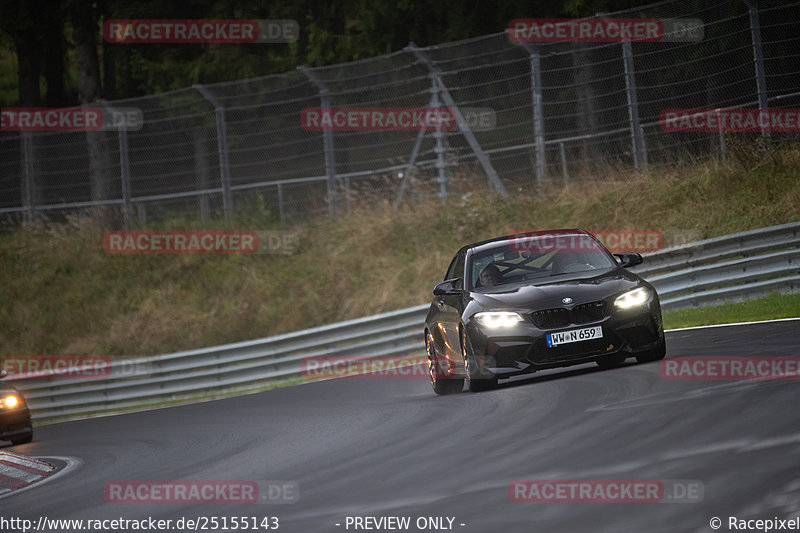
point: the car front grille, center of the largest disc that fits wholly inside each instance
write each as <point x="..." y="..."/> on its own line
<point x="563" y="317"/>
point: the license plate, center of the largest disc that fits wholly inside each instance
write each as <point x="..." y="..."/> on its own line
<point x="574" y="335"/>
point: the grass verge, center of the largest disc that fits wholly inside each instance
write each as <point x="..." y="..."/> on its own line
<point x="769" y="308"/>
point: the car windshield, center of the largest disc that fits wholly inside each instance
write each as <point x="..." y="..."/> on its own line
<point x="538" y="257"/>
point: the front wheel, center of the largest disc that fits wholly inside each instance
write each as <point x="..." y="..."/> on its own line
<point x="440" y="381"/>
<point x="477" y="381"/>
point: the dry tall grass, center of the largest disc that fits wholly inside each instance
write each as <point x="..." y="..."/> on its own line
<point x="62" y="294"/>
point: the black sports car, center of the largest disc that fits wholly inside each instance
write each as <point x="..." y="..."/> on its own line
<point x="15" y="419"/>
<point x="514" y="305"/>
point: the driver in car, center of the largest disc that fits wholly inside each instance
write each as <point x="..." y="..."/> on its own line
<point x="491" y="276"/>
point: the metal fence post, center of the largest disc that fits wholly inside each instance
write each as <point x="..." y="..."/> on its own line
<point x="327" y="140"/>
<point x="722" y="153"/>
<point x="409" y="168"/>
<point x="538" y="114"/>
<point x="563" y="162"/>
<point x="758" y="61"/>
<point x="494" y="179"/>
<point x="222" y="146"/>
<point x="28" y="185"/>
<point x="124" y="166"/>
<point x="281" y="214"/>
<point x="201" y="174"/>
<point x="440" y="149"/>
<point x="125" y="174"/>
<point x="346" y="194"/>
<point x="637" y="136"/>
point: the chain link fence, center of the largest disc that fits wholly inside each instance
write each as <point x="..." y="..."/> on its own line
<point x="561" y="111"/>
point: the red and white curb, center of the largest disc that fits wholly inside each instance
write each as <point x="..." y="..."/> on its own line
<point x="18" y="471"/>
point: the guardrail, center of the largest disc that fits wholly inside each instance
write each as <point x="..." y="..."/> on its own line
<point x="741" y="265"/>
<point x="736" y="266"/>
<point x="221" y="369"/>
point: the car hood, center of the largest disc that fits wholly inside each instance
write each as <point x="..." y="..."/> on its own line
<point x="582" y="288"/>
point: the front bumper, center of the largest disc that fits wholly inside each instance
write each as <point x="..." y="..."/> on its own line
<point x="15" y="424"/>
<point x="523" y="348"/>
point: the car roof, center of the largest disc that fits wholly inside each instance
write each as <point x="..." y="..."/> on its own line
<point x="523" y="234"/>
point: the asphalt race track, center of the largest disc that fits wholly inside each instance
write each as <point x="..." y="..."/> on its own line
<point x="390" y="447"/>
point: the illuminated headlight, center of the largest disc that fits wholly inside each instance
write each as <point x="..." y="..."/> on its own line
<point x="10" y="401"/>
<point x="498" y="319"/>
<point x="632" y="298"/>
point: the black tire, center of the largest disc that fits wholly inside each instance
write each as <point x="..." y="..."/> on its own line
<point x="607" y="363"/>
<point x="23" y="440"/>
<point x="477" y="381"/>
<point x="440" y="383"/>
<point x="656" y="354"/>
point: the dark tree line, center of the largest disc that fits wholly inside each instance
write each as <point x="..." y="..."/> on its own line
<point x="63" y="60"/>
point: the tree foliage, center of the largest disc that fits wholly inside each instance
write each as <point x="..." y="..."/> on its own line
<point x="45" y="45"/>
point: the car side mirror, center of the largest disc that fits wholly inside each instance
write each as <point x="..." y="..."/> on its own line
<point x="446" y="287"/>
<point x="629" y="259"/>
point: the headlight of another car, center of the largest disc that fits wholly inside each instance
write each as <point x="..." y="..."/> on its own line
<point x="498" y="319"/>
<point x="10" y="401"/>
<point x="632" y="298"/>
